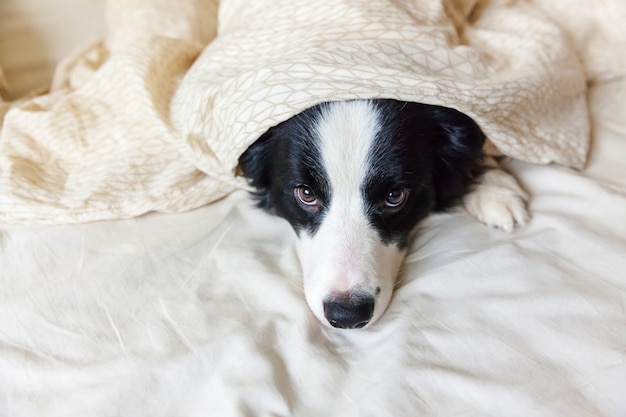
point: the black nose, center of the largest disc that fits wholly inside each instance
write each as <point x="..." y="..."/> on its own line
<point x="349" y="311"/>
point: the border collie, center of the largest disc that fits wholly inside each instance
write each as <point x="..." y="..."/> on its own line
<point x="355" y="177"/>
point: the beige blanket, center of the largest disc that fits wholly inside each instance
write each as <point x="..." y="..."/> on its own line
<point x="155" y="117"/>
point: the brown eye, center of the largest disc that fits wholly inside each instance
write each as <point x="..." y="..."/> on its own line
<point x="396" y="198"/>
<point x="306" y="197"/>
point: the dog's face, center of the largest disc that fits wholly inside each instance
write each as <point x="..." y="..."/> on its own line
<point x="354" y="178"/>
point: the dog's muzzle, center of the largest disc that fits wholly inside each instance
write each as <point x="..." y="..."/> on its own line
<point x="349" y="311"/>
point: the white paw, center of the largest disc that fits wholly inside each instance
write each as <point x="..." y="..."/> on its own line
<point x="498" y="201"/>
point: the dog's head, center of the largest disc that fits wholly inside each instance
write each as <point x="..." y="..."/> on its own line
<point x="354" y="178"/>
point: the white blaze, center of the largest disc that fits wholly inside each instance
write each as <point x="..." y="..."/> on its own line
<point x="346" y="253"/>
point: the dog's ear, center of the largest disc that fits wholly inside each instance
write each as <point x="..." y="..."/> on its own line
<point x="459" y="155"/>
<point x="256" y="164"/>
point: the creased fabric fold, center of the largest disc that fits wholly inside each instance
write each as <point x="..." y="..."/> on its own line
<point x="155" y="117"/>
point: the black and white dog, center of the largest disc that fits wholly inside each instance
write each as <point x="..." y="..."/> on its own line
<point x="355" y="177"/>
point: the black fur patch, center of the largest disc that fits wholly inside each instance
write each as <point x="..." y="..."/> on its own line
<point x="434" y="152"/>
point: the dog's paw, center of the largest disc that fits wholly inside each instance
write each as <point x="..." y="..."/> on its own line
<point x="498" y="201"/>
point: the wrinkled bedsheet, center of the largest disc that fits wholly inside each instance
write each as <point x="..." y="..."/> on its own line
<point x="201" y="313"/>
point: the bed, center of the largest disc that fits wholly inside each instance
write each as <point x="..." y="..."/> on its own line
<point x="201" y="312"/>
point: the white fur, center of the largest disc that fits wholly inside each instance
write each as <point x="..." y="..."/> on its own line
<point x="346" y="253"/>
<point x="497" y="200"/>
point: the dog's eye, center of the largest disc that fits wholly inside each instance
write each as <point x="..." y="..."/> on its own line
<point x="306" y="197"/>
<point x="396" y="198"/>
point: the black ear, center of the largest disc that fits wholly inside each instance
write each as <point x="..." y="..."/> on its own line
<point x="256" y="164"/>
<point x="459" y="155"/>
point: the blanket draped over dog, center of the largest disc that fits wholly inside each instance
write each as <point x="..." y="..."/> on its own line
<point x="155" y="116"/>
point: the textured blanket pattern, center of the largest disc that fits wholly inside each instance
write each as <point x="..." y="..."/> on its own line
<point x="155" y="117"/>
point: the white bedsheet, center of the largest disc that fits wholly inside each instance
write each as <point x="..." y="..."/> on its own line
<point x="201" y="313"/>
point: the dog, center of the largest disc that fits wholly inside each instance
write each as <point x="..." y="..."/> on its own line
<point x="354" y="178"/>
